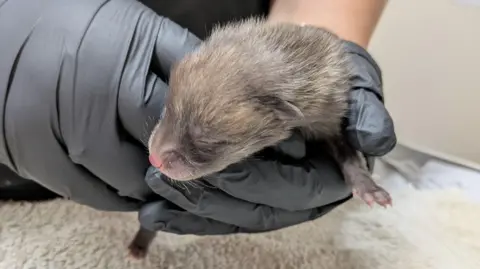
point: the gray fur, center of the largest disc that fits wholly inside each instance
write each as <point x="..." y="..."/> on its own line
<point x="247" y="87"/>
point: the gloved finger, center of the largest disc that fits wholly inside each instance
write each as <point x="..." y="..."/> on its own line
<point x="366" y="74"/>
<point x="140" y="91"/>
<point x="293" y="187"/>
<point x="158" y="42"/>
<point x="172" y="43"/>
<point x="164" y="216"/>
<point x="370" y="128"/>
<point x="43" y="159"/>
<point x="119" y="163"/>
<point x="207" y="201"/>
<point x="93" y="100"/>
<point x="140" y="106"/>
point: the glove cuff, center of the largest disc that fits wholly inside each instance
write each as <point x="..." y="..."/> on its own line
<point x="367" y="74"/>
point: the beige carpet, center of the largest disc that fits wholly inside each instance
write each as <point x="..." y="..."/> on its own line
<point x="424" y="229"/>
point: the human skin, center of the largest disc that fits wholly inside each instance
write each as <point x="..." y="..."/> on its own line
<point x="351" y="20"/>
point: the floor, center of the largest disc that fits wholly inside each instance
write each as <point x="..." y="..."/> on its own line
<point x="432" y="225"/>
<point x="422" y="171"/>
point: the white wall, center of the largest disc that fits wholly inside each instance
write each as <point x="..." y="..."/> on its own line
<point x="429" y="51"/>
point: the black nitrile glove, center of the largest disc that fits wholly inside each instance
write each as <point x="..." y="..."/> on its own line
<point x="78" y="93"/>
<point x="370" y="128"/>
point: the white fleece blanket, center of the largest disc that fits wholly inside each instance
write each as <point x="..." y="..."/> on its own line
<point x="424" y="229"/>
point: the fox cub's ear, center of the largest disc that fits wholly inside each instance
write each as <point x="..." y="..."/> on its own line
<point x="285" y="110"/>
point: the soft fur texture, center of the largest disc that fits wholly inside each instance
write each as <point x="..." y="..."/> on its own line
<point x="246" y="88"/>
<point x="425" y="229"/>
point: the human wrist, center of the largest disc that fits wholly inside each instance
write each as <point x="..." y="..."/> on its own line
<point x="350" y="20"/>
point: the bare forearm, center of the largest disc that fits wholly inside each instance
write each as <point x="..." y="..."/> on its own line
<point x="353" y="20"/>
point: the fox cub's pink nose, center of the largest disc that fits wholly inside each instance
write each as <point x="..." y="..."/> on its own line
<point x="155" y="162"/>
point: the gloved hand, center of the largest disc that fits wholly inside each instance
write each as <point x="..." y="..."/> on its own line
<point x="369" y="127"/>
<point x="77" y="92"/>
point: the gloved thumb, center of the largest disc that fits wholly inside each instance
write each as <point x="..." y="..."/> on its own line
<point x="172" y="44"/>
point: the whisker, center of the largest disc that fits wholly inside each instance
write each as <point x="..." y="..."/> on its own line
<point x="147" y="129"/>
<point x="178" y="184"/>
<point x="202" y="184"/>
<point x="193" y="184"/>
<point x="185" y="187"/>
